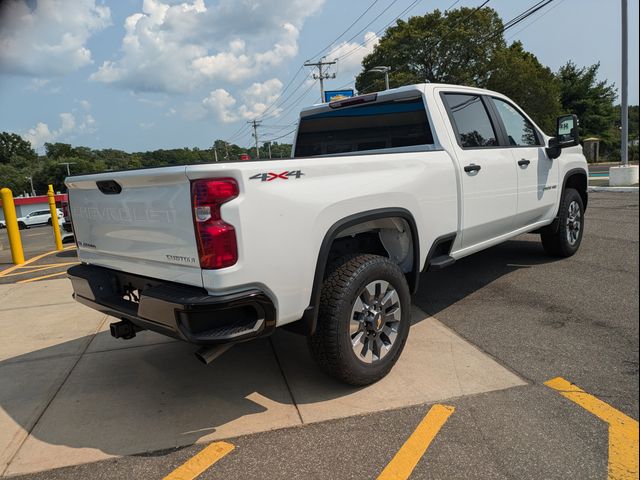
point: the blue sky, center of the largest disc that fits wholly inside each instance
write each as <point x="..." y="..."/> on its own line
<point x="140" y="75"/>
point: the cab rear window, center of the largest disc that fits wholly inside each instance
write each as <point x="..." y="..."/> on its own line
<point x="391" y="124"/>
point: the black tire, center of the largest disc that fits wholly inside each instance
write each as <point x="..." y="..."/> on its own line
<point x="49" y="222"/>
<point x="343" y="285"/>
<point x="565" y="241"/>
<point x="21" y="226"/>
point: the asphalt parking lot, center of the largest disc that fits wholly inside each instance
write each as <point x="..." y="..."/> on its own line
<point x="475" y="386"/>
<point x="42" y="260"/>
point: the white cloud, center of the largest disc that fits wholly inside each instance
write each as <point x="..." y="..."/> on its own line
<point x="69" y="126"/>
<point x="48" y="37"/>
<point x="256" y="99"/>
<point x="220" y="103"/>
<point x="176" y="47"/>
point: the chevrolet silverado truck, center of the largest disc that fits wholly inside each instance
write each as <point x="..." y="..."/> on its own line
<point x="331" y="242"/>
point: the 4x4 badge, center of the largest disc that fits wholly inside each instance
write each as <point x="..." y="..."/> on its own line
<point x="269" y="176"/>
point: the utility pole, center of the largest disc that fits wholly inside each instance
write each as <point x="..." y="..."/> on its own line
<point x="215" y="154"/>
<point x="226" y="149"/>
<point x="624" y="108"/>
<point x="322" y="76"/>
<point x="269" y="144"/>
<point x="256" y="124"/>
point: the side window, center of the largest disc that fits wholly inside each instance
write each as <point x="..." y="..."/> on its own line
<point x="471" y="120"/>
<point x="520" y="131"/>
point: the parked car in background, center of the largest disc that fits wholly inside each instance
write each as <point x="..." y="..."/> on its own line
<point x="66" y="224"/>
<point x="39" y="217"/>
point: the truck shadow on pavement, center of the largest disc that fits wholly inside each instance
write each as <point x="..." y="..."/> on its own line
<point x="439" y="290"/>
<point x="150" y="393"/>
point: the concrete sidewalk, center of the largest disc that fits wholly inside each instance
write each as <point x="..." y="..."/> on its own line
<point x="71" y="394"/>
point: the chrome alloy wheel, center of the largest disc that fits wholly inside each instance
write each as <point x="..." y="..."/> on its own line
<point x="574" y="223"/>
<point x="375" y="319"/>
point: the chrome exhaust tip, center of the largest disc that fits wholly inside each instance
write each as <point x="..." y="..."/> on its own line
<point x="208" y="354"/>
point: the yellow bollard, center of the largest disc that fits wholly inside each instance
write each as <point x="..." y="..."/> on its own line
<point x="54" y="218"/>
<point x="10" y="218"/>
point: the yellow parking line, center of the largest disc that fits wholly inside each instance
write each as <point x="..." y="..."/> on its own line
<point x="29" y="280"/>
<point x="201" y="461"/>
<point x="38" y="268"/>
<point x="401" y="466"/>
<point x="623" y="430"/>
<point x="31" y="260"/>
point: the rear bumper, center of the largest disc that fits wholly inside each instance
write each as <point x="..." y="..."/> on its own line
<point x="179" y="311"/>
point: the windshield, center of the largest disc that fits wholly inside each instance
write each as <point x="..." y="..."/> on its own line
<point x="391" y="124"/>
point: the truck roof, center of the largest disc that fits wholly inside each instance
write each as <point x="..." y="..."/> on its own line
<point x="400" y="92"/>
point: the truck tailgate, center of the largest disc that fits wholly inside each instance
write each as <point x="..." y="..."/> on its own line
<point x="139" y="222"/>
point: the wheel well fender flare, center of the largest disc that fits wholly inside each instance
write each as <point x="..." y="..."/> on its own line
<point x="573" y="173"/>
<point x="307" y="324"/>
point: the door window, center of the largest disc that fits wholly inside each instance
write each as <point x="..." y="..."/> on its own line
<point x="470" y="117"/>
<point x="520" y="131"/>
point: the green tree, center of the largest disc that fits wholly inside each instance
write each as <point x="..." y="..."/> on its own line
<point x="519" y="75"/>
<point x="13" y="178"/>
<point x="453" y="47"/>
<point x="591" y="99"/>
<point x="57" y="150"/>
<point x="13" y="145"/>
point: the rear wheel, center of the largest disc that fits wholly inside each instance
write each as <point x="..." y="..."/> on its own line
<point x="363" y="321"/>
<point x="567" y="238"/>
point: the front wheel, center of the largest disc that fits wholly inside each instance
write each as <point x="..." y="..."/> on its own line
<point x="22" y="226"/>
<point x="567" y="238"/>
<point x="363" y="321"/>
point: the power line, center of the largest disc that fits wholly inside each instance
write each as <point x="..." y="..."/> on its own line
<point x="284" y="90"/>
<point x="452" y="5"/>
<point x="348" y="28"/>
<point x="281" y="136"/>
<point x="517" y="19"/>
<point x="277" y="113"/>
<point x="298" y="100"/>
<point x="313" y="56"/>
<point x="363" y="44"/>
<point x="535" y="20"/>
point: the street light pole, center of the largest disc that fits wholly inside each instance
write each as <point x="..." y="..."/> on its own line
<point x="68" y="169"/>
<point x="33" y="192"/>
<point x="384" y="70"/>
<point x="624" y="109"/>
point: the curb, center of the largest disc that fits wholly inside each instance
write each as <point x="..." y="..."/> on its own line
<point x="614" y="189"/>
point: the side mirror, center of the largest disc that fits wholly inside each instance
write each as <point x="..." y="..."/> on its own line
<point x="566" y="135"/>
<point x="567" y="131"/>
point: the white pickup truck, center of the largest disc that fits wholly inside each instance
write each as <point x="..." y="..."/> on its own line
<point x="332" y="241"/>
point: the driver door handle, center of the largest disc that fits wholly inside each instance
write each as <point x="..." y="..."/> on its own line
<point x="524" y="162"/>
<point x="472" y="168"/>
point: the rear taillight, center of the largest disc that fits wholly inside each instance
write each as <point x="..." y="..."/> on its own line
<point x="217" y="243"/>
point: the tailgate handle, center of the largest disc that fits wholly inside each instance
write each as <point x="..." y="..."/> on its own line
<point x="109" y="187"/>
